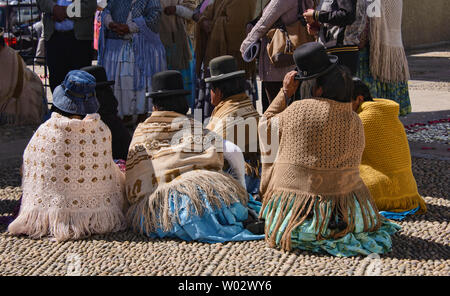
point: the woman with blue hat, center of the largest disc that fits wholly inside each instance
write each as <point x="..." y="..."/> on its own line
<point x="71" y="186"/>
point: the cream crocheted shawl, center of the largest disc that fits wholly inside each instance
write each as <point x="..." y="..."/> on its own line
<point x="388" y="61"/>
<point x="71" y="186"/>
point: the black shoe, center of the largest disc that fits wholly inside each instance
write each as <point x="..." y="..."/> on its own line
<point x="256" y="227"/>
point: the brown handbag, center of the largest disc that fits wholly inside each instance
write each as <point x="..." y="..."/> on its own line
<point x="284" y="40"/>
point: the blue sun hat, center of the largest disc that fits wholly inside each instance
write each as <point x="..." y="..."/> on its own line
<point x="76" y="95"/>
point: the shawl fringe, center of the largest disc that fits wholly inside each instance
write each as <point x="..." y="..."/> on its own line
<point x="306" y="206"/>
<point x="66" y="224"/>
<point x="388" y="61"/>
<point x="402" y="204"/>
<point x="155" y="212"/>
<point x="389" y="64"/>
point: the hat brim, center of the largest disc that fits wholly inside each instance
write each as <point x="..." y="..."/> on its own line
<point x="333" y="60"/>
<point x="168" y="93"/>
<point x="225" y="76"/>
<point x="104" y="83"/>
<point x="74" y="105"/>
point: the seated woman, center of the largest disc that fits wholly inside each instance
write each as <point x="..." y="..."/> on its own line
<point x="108" y="111"/>
<point x="22" y="99"/>
<point x="386" y="161"/>
<point x="234" y="117"/>
<point x="313" y="196"/>
<point x="174" y="178"/>
<point x="71" y="186"/>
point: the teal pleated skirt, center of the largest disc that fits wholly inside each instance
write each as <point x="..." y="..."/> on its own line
<point x="358" y="242"/>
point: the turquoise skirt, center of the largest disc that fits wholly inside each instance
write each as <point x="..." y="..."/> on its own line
<point x="352" y="244"/>
<point x="215" y="225"/>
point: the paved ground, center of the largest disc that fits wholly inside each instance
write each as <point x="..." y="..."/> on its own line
<point x="422" y="247"/>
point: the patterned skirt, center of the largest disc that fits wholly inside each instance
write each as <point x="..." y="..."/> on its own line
<point x="397" y="92"/>
<point x="352" y="244"/>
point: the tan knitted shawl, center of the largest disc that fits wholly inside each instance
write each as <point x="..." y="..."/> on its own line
<point x="388" y="61"/>
<point x="321" y="144"/>
<point x="170" y="152"/>
<point x="236" y="120"/>
<point x="71" y="186"/>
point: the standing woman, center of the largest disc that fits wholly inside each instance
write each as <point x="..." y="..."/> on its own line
<point x="337" y="24"/>
<point x="382" y="61"/>
<point x="175" y="38"/>
<point x="271" y="76"/>
<point x="131" y="51"/>
<point x="220" y="30"/>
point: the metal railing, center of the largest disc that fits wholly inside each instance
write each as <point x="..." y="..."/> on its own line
<point x="18" y="18"/>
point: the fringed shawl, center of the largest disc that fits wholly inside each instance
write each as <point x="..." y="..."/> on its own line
<point x="172" y="153"/>
<point x="316" y="168"/>
<point x="71" y="186"/>
<point x="236" y="120"/>
<point x="388" y="61"/>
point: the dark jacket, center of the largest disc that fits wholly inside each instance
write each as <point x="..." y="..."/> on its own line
<point x="335" y="17"/>
<point x="121" y="137"/>
<point x="83" y="26"/>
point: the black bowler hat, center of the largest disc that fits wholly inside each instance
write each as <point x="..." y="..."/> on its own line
<point x="313" y="61"/>
<point x="222" y="68"/>
<point x="168" y="83"/>
<point x="100" y="75"/>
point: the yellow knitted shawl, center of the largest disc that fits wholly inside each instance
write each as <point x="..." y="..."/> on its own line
<point x="386" y="162"/>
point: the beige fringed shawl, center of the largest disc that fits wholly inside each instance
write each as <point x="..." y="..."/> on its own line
<point x="388" y="61"/>
<point x="71" y="186"/>
<point x="21" y="91"/>
<point x="170" y="152"/>
<point x="236" y="120"/>
<point x="317" y="163"/>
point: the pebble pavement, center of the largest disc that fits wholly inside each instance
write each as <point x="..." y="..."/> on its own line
<point x="422" y="247"/>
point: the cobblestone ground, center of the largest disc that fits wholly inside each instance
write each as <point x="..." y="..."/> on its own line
<point x="422" y="247"/>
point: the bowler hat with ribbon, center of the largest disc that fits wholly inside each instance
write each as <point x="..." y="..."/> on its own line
<point x="76" y="95"/>
<point x="168" y="83"/>
<point x="222" y="68"/>
<point x="100" y="75"/>
<point x="313" y="61"/>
